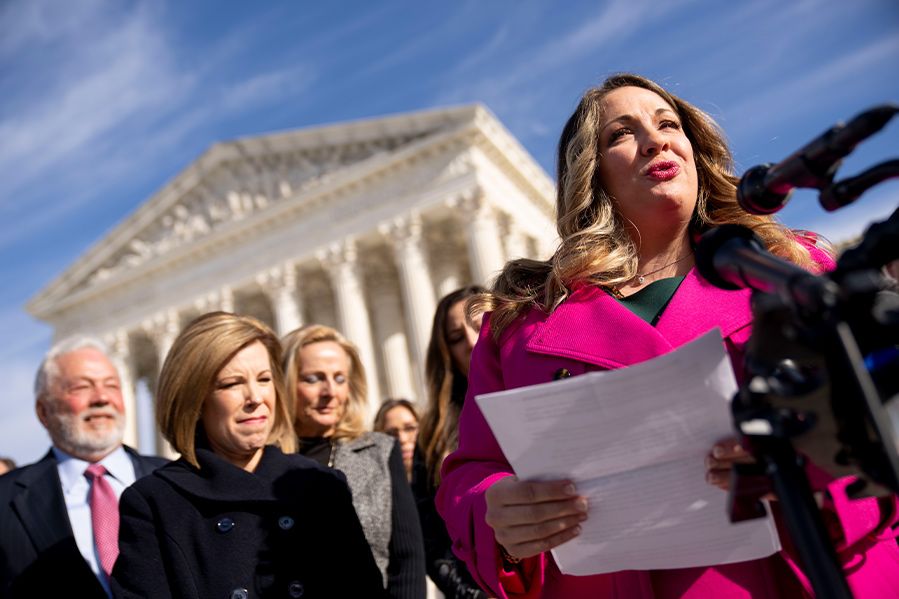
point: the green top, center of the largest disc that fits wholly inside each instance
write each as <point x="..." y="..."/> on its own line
<point x="650" y="302"/>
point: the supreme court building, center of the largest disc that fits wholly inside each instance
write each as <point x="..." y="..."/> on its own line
<point x="360" y="225"/>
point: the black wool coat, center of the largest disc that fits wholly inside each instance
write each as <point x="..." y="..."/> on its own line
<point x="38" y="553"/>
<point x="286" y="530"/>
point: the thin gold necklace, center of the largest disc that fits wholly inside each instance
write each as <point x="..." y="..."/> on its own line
<point x="642" y="277"/>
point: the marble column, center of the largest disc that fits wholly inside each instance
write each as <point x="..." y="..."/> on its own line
<point x="516" y="242"/>
<point x="415" y="283"/>
<point x="225" y="299"/>
<point x="446" y="277"/>
<point x="220" y="299"/>
<point x="340" y="261"/>
<point x="163" y="329"/>
<point x="280" y="285"/>
<point x="485" y="251"/>
<point x="546" y="246"/>
<point x="120" y="356"/>
<point x="391" y="339"/>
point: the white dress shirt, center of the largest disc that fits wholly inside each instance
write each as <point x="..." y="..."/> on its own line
<point x="76" y="491"/>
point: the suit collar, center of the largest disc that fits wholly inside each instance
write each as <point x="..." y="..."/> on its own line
<point x="360" y="443"/>
<point x="592" y="326"/>
<point x="40" y="505"/>
<point x="37" y="472"/>
<point x="143" y="464"/>
<point x="118" y="463"/>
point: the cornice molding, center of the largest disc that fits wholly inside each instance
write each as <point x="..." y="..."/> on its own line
<point x="459" y="127"/>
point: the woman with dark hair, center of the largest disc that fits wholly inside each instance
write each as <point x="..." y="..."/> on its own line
<point x="399" y="419"/>
<point x="239" y="514"/>
<point x="453" y="336"/>
<point x="641" y="172"/>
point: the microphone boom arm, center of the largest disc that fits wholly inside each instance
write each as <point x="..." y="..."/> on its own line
<point x="842" y="193"/>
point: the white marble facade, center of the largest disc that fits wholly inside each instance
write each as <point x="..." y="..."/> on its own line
<point x="360" y="225"/>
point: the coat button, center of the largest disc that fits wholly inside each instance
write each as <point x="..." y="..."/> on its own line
<point x="225" y="525"/>
<point x="239" y="594"/>
<point x="295" y="589"/>
<point x="285" y="522"/>
<point x="562" y="373"/>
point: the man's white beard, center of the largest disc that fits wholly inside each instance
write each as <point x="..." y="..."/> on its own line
<point x="71" y="433"/>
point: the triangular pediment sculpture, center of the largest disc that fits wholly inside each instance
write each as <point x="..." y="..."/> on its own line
<point x="237" y="180"/>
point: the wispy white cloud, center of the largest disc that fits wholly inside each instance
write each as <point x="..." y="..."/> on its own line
<point x="113" y="97"/>
<point x="268" y="87"/>
<point x="850" y="221"/>
<point x="110" y="72"/>
<point x="21" y="435"/>
<point x="516" y="91"/>
<point x="433" y="36"/>
<point x="481" y="54"/>
<point x="783" y="100"/>
<point x="22" y="332"/>
<point x="38" y="22"/>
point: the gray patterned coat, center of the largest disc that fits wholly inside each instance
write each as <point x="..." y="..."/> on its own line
<point x="365" y="462"/>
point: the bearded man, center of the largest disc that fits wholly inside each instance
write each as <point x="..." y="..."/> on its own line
<point x="59" y="516"/>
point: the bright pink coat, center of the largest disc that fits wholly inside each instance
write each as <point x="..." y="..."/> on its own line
<point x="592" y="331"/>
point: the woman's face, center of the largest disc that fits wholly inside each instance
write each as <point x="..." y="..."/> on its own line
<point x="239" y="413"/>
<point x="399" y="422"/>
<point x="323" y="388"/>
<point x="646" y="163"/>
<point x="460" y="338"/>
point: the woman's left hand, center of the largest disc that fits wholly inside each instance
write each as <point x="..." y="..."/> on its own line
<point x="721" y="458"/>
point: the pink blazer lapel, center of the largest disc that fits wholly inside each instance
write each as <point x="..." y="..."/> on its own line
<point x="591" y="326"/>
<point x="698" y="306"/>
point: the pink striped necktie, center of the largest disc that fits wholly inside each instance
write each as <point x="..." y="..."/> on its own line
<point x="104" y="516"/>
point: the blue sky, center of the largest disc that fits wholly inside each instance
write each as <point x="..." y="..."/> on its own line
<point x="103" y="102"/>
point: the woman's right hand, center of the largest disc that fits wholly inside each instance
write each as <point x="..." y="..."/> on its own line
<point x="529" y="518"/>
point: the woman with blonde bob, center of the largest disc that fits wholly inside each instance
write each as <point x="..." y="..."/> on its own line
<point x="326" y="384"/>
<point x="239" y="514"/>
<point x="641" y="173"/>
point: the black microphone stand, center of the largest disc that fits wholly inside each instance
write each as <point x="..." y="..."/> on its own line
<point x="767" y="423"/>
<point x="796" y="337"/>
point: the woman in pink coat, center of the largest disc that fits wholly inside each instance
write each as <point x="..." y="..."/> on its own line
<point x="640" y="174"/>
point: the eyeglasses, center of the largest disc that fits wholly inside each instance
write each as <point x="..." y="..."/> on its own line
<point x="409" y="429"/>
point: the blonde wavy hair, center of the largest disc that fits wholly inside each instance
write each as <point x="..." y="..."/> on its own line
<point x="189" y="373"/>
<point x="352" y="423"/>
<point x="595" y="246"/>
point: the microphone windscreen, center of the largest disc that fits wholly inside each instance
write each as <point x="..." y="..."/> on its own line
<point x="712" y="244"/>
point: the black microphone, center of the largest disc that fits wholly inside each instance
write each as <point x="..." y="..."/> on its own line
<point x="842" y="193"/>
<point x="733" y="257"/>
<point x="878" y="247"/>
<point x="766" y="188"/>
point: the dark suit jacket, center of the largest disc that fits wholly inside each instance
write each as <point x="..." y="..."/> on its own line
<point x="38" y="553"/>
<point x="286" y="530"/>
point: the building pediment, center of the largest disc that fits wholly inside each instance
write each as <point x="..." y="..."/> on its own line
<point x="239" y="182"/>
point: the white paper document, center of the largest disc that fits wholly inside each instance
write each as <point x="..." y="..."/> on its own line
<point x="634" y="440"/>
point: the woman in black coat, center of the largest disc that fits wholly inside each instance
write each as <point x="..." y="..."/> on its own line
<point x="235" y="517"/>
